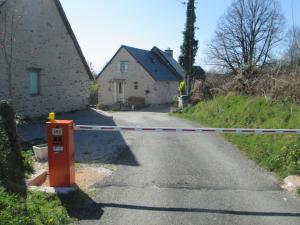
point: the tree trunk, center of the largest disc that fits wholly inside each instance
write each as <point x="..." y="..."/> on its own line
<point x="10" y="94"/>
<point x="8" y="117"/>
<point x="12" y="168"/>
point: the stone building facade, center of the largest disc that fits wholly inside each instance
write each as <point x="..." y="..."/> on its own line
<point x="42" y="68"/>
<point x="146" y="75"/>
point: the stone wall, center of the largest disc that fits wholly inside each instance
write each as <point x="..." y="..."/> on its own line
<point x="42" y="42"/>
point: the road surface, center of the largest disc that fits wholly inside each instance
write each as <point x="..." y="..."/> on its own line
<point x="180" y="178"/>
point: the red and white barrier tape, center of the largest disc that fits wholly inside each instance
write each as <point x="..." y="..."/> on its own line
<point x="200" y="130"/>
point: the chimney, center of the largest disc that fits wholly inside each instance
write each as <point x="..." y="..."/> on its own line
<point x="169" y="52"/>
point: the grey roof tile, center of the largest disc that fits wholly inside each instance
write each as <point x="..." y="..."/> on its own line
<point x="155" y="65"/>
<point x="173" y="63"/>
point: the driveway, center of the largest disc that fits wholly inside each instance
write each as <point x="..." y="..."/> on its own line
<point x="184" y="178"/>
<point x="90" y="147"/>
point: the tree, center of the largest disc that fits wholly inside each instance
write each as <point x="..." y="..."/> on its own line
<point x="189" y="47"/>
<point x="246" y="35"/>
<point x="9" y="20"/>
<point x="293" y="51"/>
<point x="12" y="168"/>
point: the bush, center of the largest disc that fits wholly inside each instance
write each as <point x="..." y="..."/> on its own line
<point x="36" y="209"/>
<point x="101" y="107"/>
<point x="94" y="89"/>
<point x="278" y="153"/>
<point x="277" y="82"/>
<point x="181" y="88"/>
<point x="27" y="158"/>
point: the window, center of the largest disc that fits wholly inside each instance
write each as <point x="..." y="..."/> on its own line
<point x="136" y="85"/>
<point x="123" y="67"/>
<point x="34" y="79"/>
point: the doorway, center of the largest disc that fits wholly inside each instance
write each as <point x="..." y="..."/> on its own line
<point x="119" y="91"/>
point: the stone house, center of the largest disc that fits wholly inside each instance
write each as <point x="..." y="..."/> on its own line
<point x="42" y="67"/>
<point x="152" y="75"/>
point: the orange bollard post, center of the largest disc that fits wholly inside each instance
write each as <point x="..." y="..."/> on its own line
<point x="61" y="152"/>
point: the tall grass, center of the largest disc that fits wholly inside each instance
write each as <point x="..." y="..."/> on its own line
<point x="278" y="153"/>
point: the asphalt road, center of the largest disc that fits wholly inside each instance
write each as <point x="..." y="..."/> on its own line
<point x="176" y="178"/>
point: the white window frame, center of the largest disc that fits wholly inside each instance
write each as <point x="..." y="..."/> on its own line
<point x="123" y="67"/>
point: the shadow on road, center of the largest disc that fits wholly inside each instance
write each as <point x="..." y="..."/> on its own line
<point x="199" y="210"/>
<point x="90" y="146"/>
<point x="99" y="146"/>
<point x="81" y="206"/>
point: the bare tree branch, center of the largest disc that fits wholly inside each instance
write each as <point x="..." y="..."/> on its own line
<point x="246" y="35"/>
<point x="9" y="21"/>
<point x="293" y="48"/>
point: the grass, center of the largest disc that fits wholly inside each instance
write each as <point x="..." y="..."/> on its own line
<point x="37" y="208"/>
<point x="277" y="153"/>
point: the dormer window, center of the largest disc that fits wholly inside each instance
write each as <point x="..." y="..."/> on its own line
<point x="123" y="67"/>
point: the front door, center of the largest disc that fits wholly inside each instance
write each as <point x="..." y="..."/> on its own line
<point x="119" y="91"/>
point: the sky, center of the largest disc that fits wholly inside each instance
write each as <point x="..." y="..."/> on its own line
<point x="102" y="26"/>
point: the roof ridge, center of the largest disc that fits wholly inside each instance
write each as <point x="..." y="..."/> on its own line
<point x="126" y="46"/>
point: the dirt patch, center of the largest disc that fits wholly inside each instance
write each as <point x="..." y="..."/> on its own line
<point x="85" y="176"/>
<point x="291" y="183"/>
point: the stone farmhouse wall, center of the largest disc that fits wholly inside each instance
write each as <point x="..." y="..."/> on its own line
<point x="42" y="42"/>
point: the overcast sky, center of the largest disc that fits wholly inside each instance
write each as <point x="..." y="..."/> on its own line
<point x="102" y="26"/>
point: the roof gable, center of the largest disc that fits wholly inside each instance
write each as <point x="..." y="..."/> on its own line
<point x="73" y="37"/>
<point x="2" y="2"/>
<point x="152" y="64"/>
<point x="158" y="67"/>
<point x="109" y="62"/>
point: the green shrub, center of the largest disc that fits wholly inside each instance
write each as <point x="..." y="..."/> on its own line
<point x="46" y="209"/>
<point x="101" y="106"/>
<point x="94" y="89"/>
<point x="181" y="88"/>
<point x="27" y="158"/>
<point x="36" y="209"/>
<point x="278" y="153"/>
